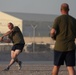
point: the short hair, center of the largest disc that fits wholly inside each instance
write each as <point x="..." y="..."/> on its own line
<point x="65" y="7"/>
<point x="11" y="23"/>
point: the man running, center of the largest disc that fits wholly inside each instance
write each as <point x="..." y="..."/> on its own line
<point x="17" y="39"/>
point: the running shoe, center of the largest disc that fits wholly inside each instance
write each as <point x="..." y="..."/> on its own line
<point x="6" y="69"/>
<point x="19" y="65"/>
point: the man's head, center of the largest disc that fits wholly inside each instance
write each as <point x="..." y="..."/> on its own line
<point x="65" y="7"/>
<point x="10" y="26"/>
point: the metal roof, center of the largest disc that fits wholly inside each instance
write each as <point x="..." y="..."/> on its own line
<point x="33" y="17"/>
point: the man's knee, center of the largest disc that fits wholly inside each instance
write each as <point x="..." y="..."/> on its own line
<point x="17" y="52"/>
<point x="14" y="56"/>
<point x="55" y="70"/>
<point x="71" y="70"/>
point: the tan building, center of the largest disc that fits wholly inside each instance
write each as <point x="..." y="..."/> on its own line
<point x="5" y="19"/>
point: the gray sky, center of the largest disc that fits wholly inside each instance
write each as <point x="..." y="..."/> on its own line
<point x="37" y="6"/>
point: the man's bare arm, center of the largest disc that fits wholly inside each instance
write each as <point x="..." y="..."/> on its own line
<point x="7" y="33"/>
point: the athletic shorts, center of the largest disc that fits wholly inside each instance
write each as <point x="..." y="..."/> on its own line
<point x="18" y="47"/>
<point x="67" y="57"/>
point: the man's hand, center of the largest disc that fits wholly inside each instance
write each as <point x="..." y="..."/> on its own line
<point x="53" y="34"/>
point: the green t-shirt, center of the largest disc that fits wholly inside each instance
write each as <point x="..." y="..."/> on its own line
<point x="65" y="26"/>
<point x="16" y="36"/>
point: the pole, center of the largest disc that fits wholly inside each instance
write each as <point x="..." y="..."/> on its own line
<point x="34" y="27"/>
<point x="49" y="33"/>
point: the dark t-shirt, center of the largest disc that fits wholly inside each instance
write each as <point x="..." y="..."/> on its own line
<point x="65" y="26"/>
<point x="16" y="36"/>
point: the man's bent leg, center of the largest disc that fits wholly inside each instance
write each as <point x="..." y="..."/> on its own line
<point x="14" y="55"/>
<point x="16" y="60"/>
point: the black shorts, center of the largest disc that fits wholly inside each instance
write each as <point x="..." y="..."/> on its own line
<point x="67" y="57"/>
<point x="18" y="46"/>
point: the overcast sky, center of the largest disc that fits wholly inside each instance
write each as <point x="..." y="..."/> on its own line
<point x="37" y="6"/>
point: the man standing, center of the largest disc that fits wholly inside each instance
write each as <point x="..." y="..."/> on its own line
<point x="16" y="37"/>
<point x="64" y="32"/>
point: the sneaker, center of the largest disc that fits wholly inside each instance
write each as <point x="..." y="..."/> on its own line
<point x="6" y="69"/>
<point x="19" y="65"/>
